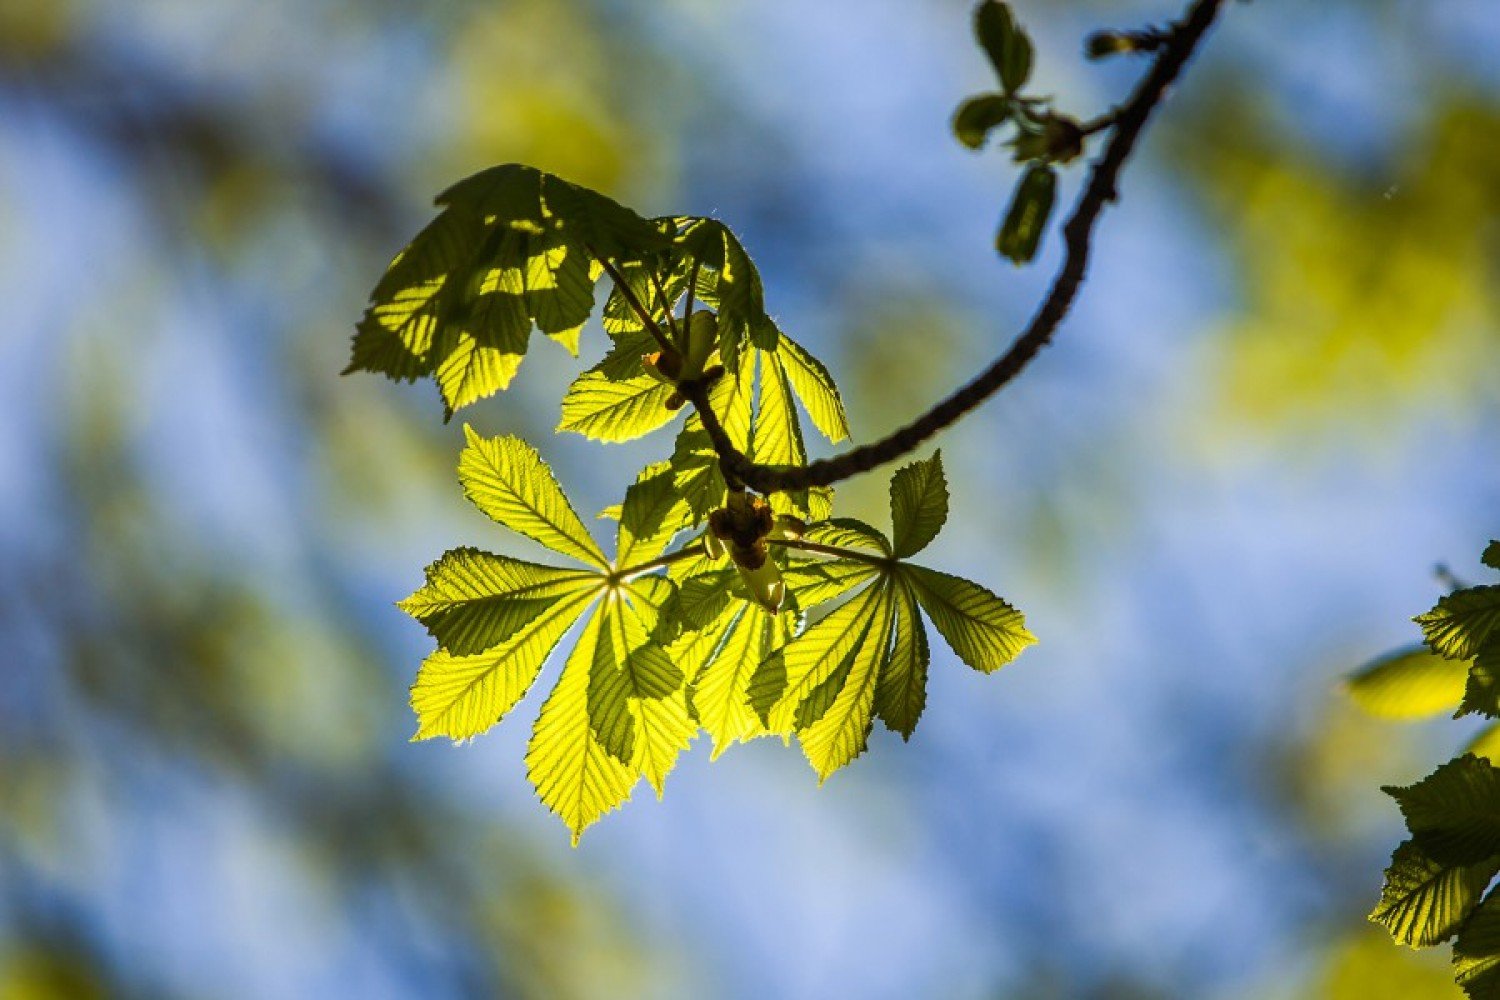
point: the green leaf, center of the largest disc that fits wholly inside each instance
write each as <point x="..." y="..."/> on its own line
<point x="978" y="116"/>
<point x="1482" y="690"/>
<point x="474" y="600"/>
<point x="1025" y="221"/>
<point x="1454" y="813"/>
<point x="776" y="433"/>
<point x="650" y="517"/>
<point x="416" y="297"/>
<point x="695" y="468"/>
<point x="1476" y="953"/>
<point x="919" y="505"/>
<point x="1005" y="42"/>
<point x="462" y="696"/>
<point x="729" y="281"/>
<point x="604" y="227"/>
<point x="1408" y="684"/>
<point x="841" y="731"/>
<point x="1462" y="621"/>
<point x="814" y="583"/>
<point x="573" y="774"/>
<point x="815" y="388"/>
<point x="1491" y="557"/>
<point x="513" y="248"/>
<point x="1424" y="902"/>
<point x="606" y="410"/>
<point x="745" y="635"/>
<point x="983" y="630"/>
<point x="506" y="479"/>
<point x="627" y="666"/>
<point x="901" y="694"/>
<point x="786" y="678"/>
<point x="848" y="532"/>
<point x="559" y="288"/>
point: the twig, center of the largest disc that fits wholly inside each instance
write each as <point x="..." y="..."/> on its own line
<point x="635" y="303"/>
<point x="1181" y="40"/>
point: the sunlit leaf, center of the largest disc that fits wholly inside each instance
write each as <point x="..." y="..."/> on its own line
<point x="474" y="600"/>
<point x="606" y="410"/>
<point x="746" y="635"/>
<point x="785" y="679"/>
<point x="983" y="630"/>
<point x="462" y="696"/>
<point x="1408" y="684"/>
<point x="506" y="479"/>
<point x="838" y="733"/>
<point x="627" y="666"/>
<point x="1462" y="622"/>
<point x="815" y="388"/>
<point x="651" y="516"/>
<point x="919" y="505"/>
<point x="1424" y="902"/>
<point x="574" y="775"/>
<point x="901" y="694"/>
<point x="849" y="532"/>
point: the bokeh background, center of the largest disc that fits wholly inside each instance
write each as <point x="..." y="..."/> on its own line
<point x="1227" y="484"/>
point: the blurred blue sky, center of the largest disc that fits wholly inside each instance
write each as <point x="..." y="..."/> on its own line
<point x="1105" y="810"/>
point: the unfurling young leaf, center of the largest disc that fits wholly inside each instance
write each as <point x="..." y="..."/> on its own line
<point x="978" y="116"/>
<point x="1005" y="42"/>
<point x="1021" y="232"/>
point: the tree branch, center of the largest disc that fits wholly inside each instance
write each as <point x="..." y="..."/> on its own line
<point x="1181" y="41"/>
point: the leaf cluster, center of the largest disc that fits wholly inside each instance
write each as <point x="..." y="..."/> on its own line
<point x="773" y="616"/>
<point x="668" y="646"/>
<point x="1435" y="886"/>
<point x="1039" y="135"/>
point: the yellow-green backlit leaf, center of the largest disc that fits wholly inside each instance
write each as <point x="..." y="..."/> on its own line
<point x="559" y="288"/>
<point x="814" y="583"/>
<point x="721" y="689"/>
<point x="474" y="600"/>
<point x="574" y="775"/>
<point x="607" y="410"/>
<point x="848" y="532"/>
<point x="1424" y="902"/>
<point x="462" y="696"/>
<point x="814" y="386"/>
<point x="1408" y="684"/>
<point x="787" y="677"/>
<point x="652" y="514"/>
<point x="627" y="665"/>
<point x="840" y="732"/>
<point x="1462" y="622"/>
<point x="901" y="694"/>
<point x="506" y="479"/>
<point x="983" y="630"/>
<point x="919" y="505"/>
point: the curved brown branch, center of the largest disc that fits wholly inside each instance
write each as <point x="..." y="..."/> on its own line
<point x="1181" y="40"/>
